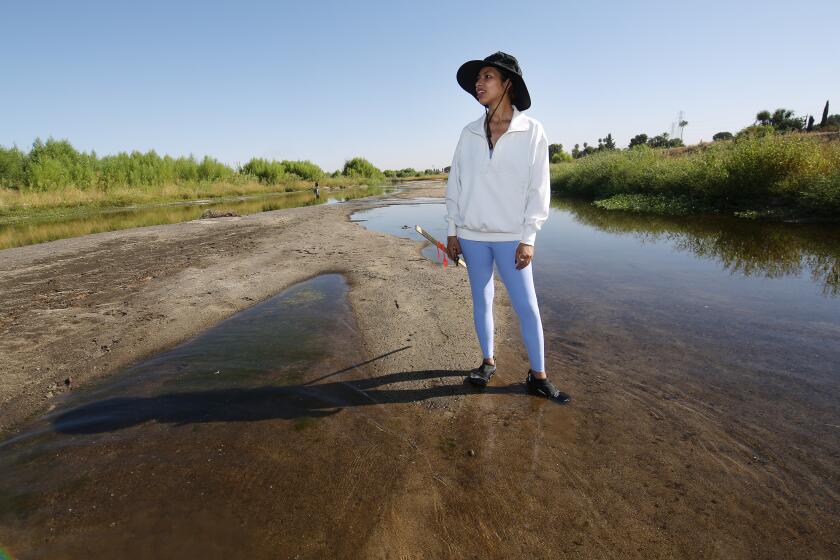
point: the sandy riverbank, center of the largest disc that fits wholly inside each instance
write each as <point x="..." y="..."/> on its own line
<point x="81" y="308"/>
<point x="629" y="470"/>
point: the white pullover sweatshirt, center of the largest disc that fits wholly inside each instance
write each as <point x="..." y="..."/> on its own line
<point x="503" y="196"/>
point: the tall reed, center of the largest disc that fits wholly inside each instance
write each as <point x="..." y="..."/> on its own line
<point x="791" y="170"/>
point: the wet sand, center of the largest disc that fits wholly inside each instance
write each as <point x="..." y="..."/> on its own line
<point x="633" y="468"/>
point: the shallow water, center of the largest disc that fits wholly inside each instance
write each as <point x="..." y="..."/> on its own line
<point x="721" y="310"/>
<point x="271" y="371"/>
<point x="30" y="231"/>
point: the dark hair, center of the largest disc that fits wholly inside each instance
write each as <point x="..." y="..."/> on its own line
<point x="508" y="76"/>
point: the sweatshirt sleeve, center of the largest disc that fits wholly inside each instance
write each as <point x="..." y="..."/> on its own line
<point x="453" y="189"/>
<point x="538" y="196"/>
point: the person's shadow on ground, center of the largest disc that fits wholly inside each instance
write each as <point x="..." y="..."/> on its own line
<point x="263" y="403"/>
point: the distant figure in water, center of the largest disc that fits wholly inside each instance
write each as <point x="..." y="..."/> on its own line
<point x="496" y="202"/>
<point x="317" y="190"/>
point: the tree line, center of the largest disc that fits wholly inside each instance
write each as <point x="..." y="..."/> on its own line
<point x="779" y="121"/>
<point x="55" y="164"/>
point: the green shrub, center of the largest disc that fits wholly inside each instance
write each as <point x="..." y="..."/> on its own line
<point x="55" y="163"/>
<point x="303" y="169"/>
<point x="758" y="130"/>
<point x="269" y="172"/>
<point x="12" y="172"/>
<point x="212" y="170"/>
<point x="560" y="157"/>
<point x="360" y="167"/>
<point x="791" y="170"/>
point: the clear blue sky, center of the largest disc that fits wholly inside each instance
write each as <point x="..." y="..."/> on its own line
<point x="327" y="81"/>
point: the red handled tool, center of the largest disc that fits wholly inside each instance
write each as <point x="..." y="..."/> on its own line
<point x="440" y="246"/>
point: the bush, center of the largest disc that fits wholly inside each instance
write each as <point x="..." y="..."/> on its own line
<point x="268" y="172"/>
<point x="757" y="130"/>
<point x="12" y="172"/>
<point x="792" y="170"/>
<point x="304" y="169"/>
<point x="360" y="167"/>
<point x="212" y="170"/>
<point x="55" y="164"/>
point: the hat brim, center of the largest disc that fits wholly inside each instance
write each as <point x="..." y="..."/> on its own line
<point x="469" y="70"/>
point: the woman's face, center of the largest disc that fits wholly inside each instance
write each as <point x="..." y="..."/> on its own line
<point x="489" y="86"/>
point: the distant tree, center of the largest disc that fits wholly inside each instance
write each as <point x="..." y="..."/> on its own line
<point x="783" y="120"/>
<point x="609" y="143"/>
<point x="12" y="165"/>
<point x="824" y="119"/>
<point x="554" y="149"/>
<point x="832" y="124"/>
<point x="638" y="140"/>
<point x="447" y="168"/>
<point x="360" y="167"/>
<point x="683" y="124"/>
<point x="763" y="117"/>
<point x="556" y="154"/>
<point x="659" y="141"/>
<point x="576" y="151"/>
<point x="722" y="136"/>
<point x="664" y="141"/>
<point x="810" y="126"/>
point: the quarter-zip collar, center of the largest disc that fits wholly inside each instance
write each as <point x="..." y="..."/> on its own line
<point x="518" y="123"/>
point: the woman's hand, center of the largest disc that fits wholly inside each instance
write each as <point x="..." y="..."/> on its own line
<point x="453" y="247"/>
<point x="524" y="254"/>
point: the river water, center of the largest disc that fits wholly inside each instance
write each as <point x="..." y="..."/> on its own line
<point x="707" y="348"/>
<point x="718" y="296"/>
<point x="37" y="230"/>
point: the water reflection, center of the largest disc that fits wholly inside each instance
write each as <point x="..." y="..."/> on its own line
<point x="761" y="249"/>
<point x="33" y="231"/>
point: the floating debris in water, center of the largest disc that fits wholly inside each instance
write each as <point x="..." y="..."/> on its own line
<point x="219" y="214"/>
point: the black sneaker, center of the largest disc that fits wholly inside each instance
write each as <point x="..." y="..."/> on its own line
<point x="544" y="387"/>
<point x="481" y="375"/>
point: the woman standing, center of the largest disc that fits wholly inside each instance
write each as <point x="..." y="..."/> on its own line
<point x="497" y="198"/>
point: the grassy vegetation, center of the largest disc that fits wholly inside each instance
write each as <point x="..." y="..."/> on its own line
<point x="769" y="176"/>
<point x="54" y="175"/>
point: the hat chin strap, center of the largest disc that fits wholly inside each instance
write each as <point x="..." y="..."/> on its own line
<point x="487" y="120"/>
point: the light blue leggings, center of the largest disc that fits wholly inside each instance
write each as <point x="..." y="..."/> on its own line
<point x="480" y="256"/>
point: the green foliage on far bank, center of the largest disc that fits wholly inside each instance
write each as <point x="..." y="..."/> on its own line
<point x="56" y="165"/>
<point x="360" y="167"/>
<point x="54" y="175"/>
<point x="794" y="171"/>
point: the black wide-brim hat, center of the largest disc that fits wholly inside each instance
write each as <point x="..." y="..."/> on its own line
<point x="469" y="70"/>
